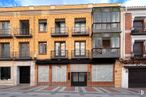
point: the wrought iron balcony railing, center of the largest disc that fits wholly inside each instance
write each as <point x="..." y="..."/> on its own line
<point x="80" y="31"/>
<point x="5" y="33"/>
<point x="22" y="55"/>
<point x="59" y="54"/>
<point x="137" y="32"/>
<point x="80" y="54"/>
<point x="105" y="52"/>
<point x="6" y="56"/>
<point x="20" y="33"/>
<point x="62" y="31"/>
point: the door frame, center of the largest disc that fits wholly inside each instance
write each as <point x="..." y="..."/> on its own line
<point x="79" y="83"/>
<point x="19" y="79"/>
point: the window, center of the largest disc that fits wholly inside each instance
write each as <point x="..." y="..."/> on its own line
<point x="138" y="25"/>
<point x="60" y="49"/>
<point x="60" y="26"/>
<point x="5" y="73"/>
<point x="115" y="17"/>
<point x="4" y="50"/>
<point x="42" y="47"/>
<point x="43" y="25"/>
<point x="24" y="49"/>
<point x="24" y="27"/>
<point x="106" y="43"/>
<point x="5" y="27"/>
<point x="80" y="48"/>
<point x="138" y="48"/>
<point x="80" y="25"/>
<point x="115" y="42"/>
<point x="106" y="18"/>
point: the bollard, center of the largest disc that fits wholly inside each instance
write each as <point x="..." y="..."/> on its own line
<point x="141" y="92"/>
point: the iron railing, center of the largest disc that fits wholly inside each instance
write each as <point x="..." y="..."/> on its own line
<point x="62" y="31"/>
<point x="105" y="52"/>
<point x="138" y="32"/>
<point x="6" y="56"/>
<point x="5" y="32"/>
<point x="22" y="55"/>
<point x="23" y="32"/>
<point x="55" y="54"/>
<point x="80" y="31"/>
<point x="80" y="54"/>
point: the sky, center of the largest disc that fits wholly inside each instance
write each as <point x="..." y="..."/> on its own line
<point x="12" y="3"/>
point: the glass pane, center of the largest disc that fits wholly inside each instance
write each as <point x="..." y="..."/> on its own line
<point x="97" y="26"/>
<point x="5" y="73"/>
<point x="115" y="42"/>
<point x="57" y="46"/>
<point x="103" y="26"/>
<point x="81" y="77"/>
<point x="75" y="77"/>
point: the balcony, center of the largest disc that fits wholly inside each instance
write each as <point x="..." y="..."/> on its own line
<point x="23" y="33"/>
<point x="78" y="31"/>
<point x="63" y="54"/>
<point x="105" y="52"/>
<point x="80" y="54"/>
<point x="6" y="57"/>
<point x="59" y="32"/>
<point x="22" y="56"/>
<point x="137" y="32"/>
<point x="5" y="33"/>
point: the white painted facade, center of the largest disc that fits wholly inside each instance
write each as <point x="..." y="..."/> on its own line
<point x="125" y="76"/>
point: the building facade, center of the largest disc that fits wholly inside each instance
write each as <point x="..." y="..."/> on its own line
<point x="133" y="62"/>
<point x="68" y="45"/>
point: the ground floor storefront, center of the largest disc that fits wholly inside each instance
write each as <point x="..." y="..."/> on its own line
<point x="76" y="74"/>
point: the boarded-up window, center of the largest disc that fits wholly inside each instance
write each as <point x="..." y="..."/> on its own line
<point x="102" y="73"/>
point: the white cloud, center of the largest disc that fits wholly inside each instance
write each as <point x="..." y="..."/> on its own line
<point x="135" y="3"/>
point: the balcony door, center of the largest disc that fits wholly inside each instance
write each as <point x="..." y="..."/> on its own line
<point x="60" y="26"/>
<point x="24" y="50"/>
<point x="4" y="27"/>
<point x="24" y="27"/>
<point x="60" y="49"/>
<point x="80" y="25"/>
<point x="80" y="48"/>
<point x="138" y="49"/>
<point x="4" y="50"/>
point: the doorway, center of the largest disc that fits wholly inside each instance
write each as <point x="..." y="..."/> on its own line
<point x="79" y="79"/>
<point x="24" y="74"/>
